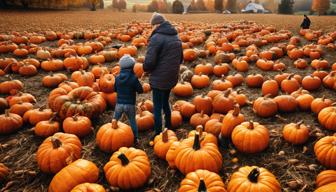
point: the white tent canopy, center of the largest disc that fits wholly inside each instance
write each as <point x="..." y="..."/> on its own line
<point x="254" y="8"/>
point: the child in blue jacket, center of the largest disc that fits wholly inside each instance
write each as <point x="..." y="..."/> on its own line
<point x="126" y="86"/>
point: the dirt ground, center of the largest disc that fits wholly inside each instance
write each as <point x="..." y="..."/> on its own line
<point x="18" y="150"/>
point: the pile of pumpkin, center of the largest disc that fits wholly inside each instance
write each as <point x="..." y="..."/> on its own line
<point x="73" y="102"/>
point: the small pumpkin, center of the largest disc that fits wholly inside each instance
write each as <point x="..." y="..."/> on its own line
<point x="311" y="83"/>
<point x="66" y="147"/>
<point x="10" y="122"/>
<point x="36" y="115"/>
<point x="296" y="133"/>
<point x="53" y="80"/>
<point x="20" y="108"/>
<point x="254" y="80"/>
<point x="221" y="84"/>
<point x="230" y="121"/>
<point x="236" y="79"/>
<point x="112" y="136"/>
<point x="106" y="83"/>
<point x="77" y="125"/>
<point x="290" y="84"/>
<point x="183" y="89"/>
<point x="214" y="126"/>
<point x="325" y="177"/>
<point x="265" y="106"/>
<point x="83" y="78"/>
<point x="304" y="101"/>
<point x="162" y="143"/>
<point x="270" y="87"/>
<point x="125" y="161"/>
<point x="286" y="103"/>
<point x="144" y="120"/>
<point x="47" y="128"/>
<point x="200" y="81"/>
<point x="320" y="103"/>
<point x="250" y="132"/>
<point x="325" y="151"/>
<point x="199" y="119"/>
<point x="327" y="188"/>
<point x="327" y="118"/>
<point x="223" y="103"/>
<point x="203" y="103"/>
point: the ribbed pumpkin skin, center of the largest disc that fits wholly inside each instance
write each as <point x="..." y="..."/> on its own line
<point x="110" y="139"/>
<point x="131" y="176"/>
<point x="250" y="139"/>
<point x="10" y="122"/>
<point x="77" y="125"/>
<point x="230" y="121"/>
<point x="80" y="171"/>
<point x="266" y="181"/>
<point x="170" y="155"/>
<point x="327" y="188"/>
<point x="88" y="187"/>
<point x="212" y="181"/>
<point x="52" y="159"/>
<point x="160" y="146"/>
<point x="206" y="157"/>
<point x="327" y="118"/>
<point x="296" y="133"/>
<point x="325" y="151"/>
<point x="325" y="177"/>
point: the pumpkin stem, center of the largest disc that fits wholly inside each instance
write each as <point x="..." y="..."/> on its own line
<point x="124" y="160"/>
<point x="299" y="123"/>
<point x="75" y="117"/>
<point x="196" y="145"/>
<point x="114" y="124"/>
<point x="202" y="113"/>
<point x="323" y="98"/>
<point x="53" y="117"/>
<point x="199" y="129"/>
<point x="236" y="110"/>
<point x="251" y="125"/>
<point x="254" y="174"/>
<point x="55" y="142"/>
<point x="7" y="112"/>
<point x="202" y="186"/>
<point x="165" y="135"/>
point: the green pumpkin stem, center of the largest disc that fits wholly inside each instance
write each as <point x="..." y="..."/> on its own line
<point x="55" y="142"/>
<point x="254" y="174"/>
<point x="196" y="145"/>
<point x="202" y="186"/>
<point x="124" y="160"/>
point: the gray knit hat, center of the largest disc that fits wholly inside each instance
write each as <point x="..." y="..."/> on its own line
<point x="157" y="18"/>
<point x="126" y="62"/>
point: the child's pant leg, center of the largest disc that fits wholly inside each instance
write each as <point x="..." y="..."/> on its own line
<point x="130" y="112"/>
<point x="118" y="111"/>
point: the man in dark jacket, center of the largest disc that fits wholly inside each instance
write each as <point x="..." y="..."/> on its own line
<point x="305" y="23"/>
<point x="127" y="85"/>
<point x="163" y="58"/>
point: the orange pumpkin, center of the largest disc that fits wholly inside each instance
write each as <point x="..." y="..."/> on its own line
<point x="320" y="103"/>
<point x="296" y="133"/>
<point x="88" y="187"/>
<point x="324" y="151"/>
<point x="67" y="147"/>
<point x="325" y="177"/>
<point x="10" y="122"/>
<point x="327" y="118"/>
<point x="250" y="132"/>
<point x="112" y="136"/>
<point x="162" y="143"/>
<point x="80" y="171"/>
<point x="77" y="125"/>
<point x="265" y="106"/>
<point x="231" y="120"/>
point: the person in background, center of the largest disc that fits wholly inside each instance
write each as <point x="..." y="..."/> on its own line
<point x="305" y="23"/>
<point x="127" y="85"/>
<point x="162" y="63"/>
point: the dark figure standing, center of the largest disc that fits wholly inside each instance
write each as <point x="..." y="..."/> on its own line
<point x="162" y="62"/>
<point x="305" y="23"/>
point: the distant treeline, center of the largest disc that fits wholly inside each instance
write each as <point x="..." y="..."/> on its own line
<point x="52" y="4"/>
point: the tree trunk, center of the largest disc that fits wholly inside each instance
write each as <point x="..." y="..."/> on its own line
<point x="3" y="4"/>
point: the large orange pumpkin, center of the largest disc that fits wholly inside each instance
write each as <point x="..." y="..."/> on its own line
<point x="111" y="136"/>
<point x="128" y="168"/>
<point x="253" y="178"/>
<point x="325" y="151"/>
<point x="66" y="147"/>
<point x="325" y="177"/>
<point x="10" y="122"/>
<point x="202" y="180"/>
<point x="190" y="156"/>
<point x="250" y="137"/>
<point x="80" y="171"/>
<point x="327" y="118"/>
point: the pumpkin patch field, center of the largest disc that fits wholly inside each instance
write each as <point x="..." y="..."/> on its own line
<point x="255" y="104"/>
